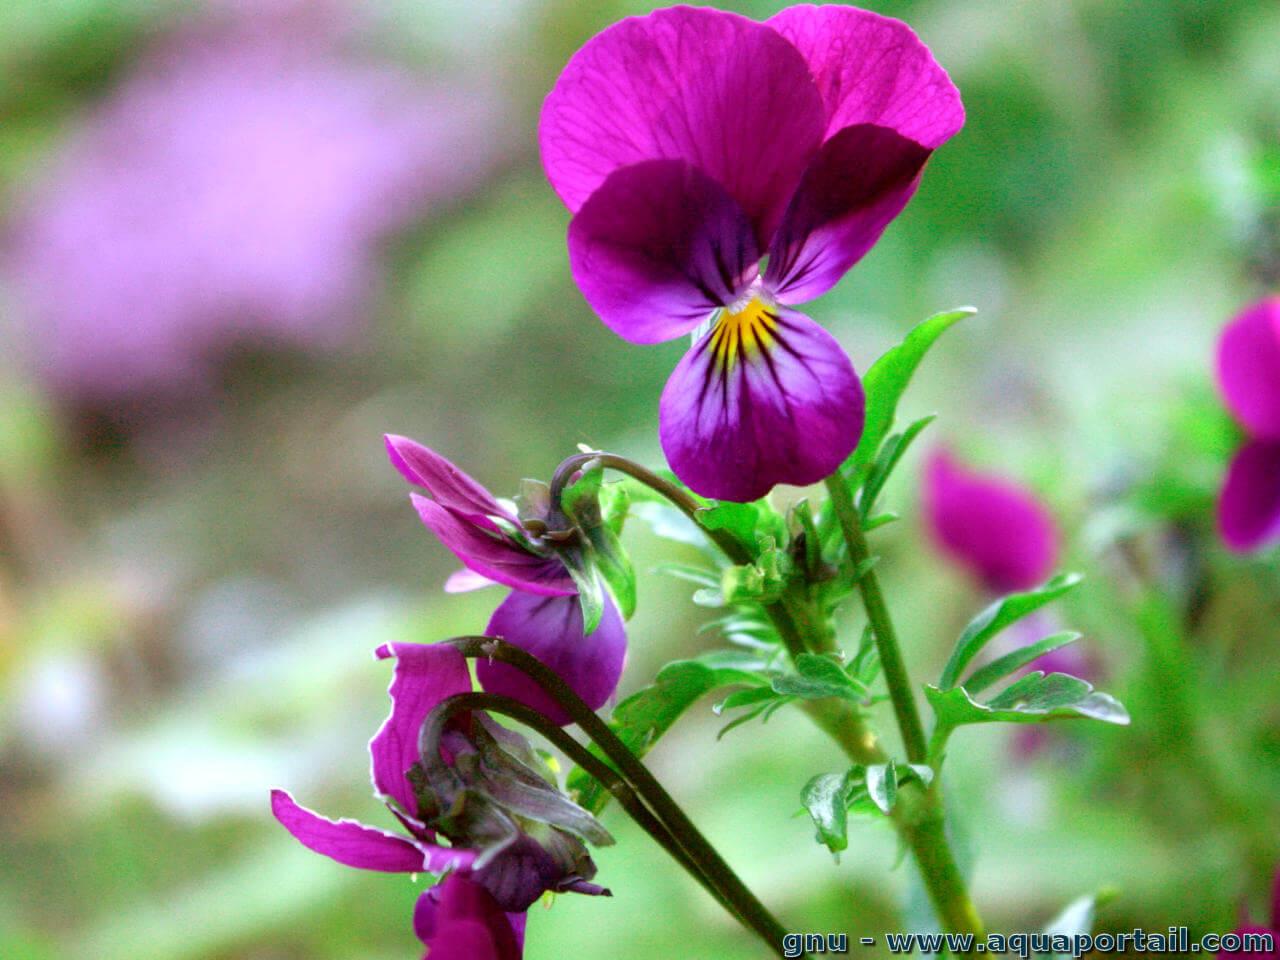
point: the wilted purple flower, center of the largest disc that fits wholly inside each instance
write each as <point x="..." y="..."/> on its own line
<point x="491" y="846"/>
<point x="691" y="144"/>
<point x="459" y="920"/>
<point x="992" y="527"/>
<point x="1249" y="378"/>
<point x="232" y="189"/>
<point x="542" y="615"/>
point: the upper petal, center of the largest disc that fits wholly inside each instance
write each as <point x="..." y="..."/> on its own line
<point x="1249" y="368"/>
<point x="493" y="555"/>
<point x="873" y="69"/>
<point x="355" y="845"/>
<point x="854" y="187"/>
<point x="766" y="397"/>
<point x="461" y="916"/>
<point x="1249" y="506"/>
<point x="658" y="247"/>
<point x="449" y="486"/>
<point x="551" y="629"/>
<point x="995" y="528"/>
<point x="721" y="91"/>
<point x="424" y="675"/>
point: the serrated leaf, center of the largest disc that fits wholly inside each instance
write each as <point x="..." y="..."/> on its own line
<point x="887" y="461"/>
<point x="816" y="678"/>
<point x="745" y="698"/>
<point x="640" y="720"/>
<point x="998" y="616"/>
<point x="882" y="785"/>
<point x="885" y="383"/>
<point x="747" y="523"/>
<point x="997" y="670"/>
<point x="826" y="798"/>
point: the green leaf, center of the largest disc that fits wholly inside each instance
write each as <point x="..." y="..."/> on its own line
<point x="991" y="621"/>
<point x="826" y="797"/>
<point x="748" y="523"/>
<point x="887" y="380"/>
<point x="602" y="552"/>
<point x="744" y="698"/>
<point x="816" y="678"/>
<point x="641" y="719"/>
<point x="882" y="785"/>
<point x="997" y="670"/>
<point x="887" y="461"/>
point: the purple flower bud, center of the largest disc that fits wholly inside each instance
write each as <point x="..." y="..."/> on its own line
<point x="989" y="525"/>
<point x="691" y="144"/>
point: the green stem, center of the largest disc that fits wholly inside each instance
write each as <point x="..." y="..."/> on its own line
<point x="697" y="848"/>
<point x="886" y="637"/>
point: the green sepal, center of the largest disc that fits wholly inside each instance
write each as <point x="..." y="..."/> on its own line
<point x="1005" y="611"/>
<point x="602" y="552"/>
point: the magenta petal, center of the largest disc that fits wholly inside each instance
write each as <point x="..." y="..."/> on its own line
<point x="458" y="918"/>
<point x="355" y="845"/>
<point x="424" y="675"/>
<point x="658" y="247"/>
<point x="448" y="486"/>
<point x="1250" y="928"/>
<point x="1249" y="506"/>
<point x="550" y="628"/>
<point x="996" y="529"/>
<point x="493" y="555"/>
<point x="725" y="93"/>
<point x="734" y="421"/>
<point x="858" y="182"/>
<point x="1249" y="368"/>
<point x="873" y="69"/>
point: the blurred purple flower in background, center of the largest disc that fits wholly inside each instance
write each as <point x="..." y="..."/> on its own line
<point x="692" y="143"/>
<point x="991" y="526"/>
<point x="1248" y="367"/>
<point x="232" y="189"/>
<point x="1258" y="928"/>
<point x="542" y="615"/>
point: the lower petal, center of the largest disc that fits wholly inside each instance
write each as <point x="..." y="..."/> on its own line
<point x="459" y="913"/>
<point x="766" y="397"/>
<point x="1249" y="507"/>
<point x="355" y="845"/>
<point x="551" y="629"/>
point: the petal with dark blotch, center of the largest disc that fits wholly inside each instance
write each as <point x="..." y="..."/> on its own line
<point x="766" y="397"/>
<point x="721" y="91"/>
<point x="988" y="524"/>
<point x="551" y="629"/>
<point x="493" y="555"/>
<point x="1249" y="368"/>
<point x="873" y="69"/>
<point x="858" y="182"/>
<point x="1249" y="506"/>
<point x="448" y="486"/>
<point x="424" y="675"/>
<point x="459" y="919"/>
<point x="658" y="247"/>
<point x="355" y="845"/>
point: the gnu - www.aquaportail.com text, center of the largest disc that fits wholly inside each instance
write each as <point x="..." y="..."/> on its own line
<point x="1175" y="940"/>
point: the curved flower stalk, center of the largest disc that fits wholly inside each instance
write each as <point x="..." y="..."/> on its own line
<point x="721" y="171"/>
<point x="1248" y="369"/>
<point x="542" y="615"/>
<point x="512" y="849"/>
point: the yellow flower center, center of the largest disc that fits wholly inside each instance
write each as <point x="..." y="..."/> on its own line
<point x="742" y="332"/>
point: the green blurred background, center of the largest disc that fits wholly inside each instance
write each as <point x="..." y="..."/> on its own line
<point x="192" y="578"/>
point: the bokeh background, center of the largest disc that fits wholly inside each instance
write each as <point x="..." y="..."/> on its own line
<point x="239" y="242"/>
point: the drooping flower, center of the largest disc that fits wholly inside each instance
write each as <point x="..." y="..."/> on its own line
<point x="542" y="615"/>
<point x="692" y="145"/>
<point x="992" y="527"/>
<point x="514" y="851"/>
<point x="459" y="920"/>
<point x="232" y="189"/>
<point x="1248" y="367"/>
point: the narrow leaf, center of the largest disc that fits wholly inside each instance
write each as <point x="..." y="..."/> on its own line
<point x="997" y="670"/>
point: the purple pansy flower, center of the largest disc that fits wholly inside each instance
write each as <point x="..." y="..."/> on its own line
<point x="513" y="866"/>
<point x="1249" y="377"/>
<point x="1273" y="930"/>
<point x="459" y="920"/>
<point x="233" y="188"/>
<point x="992" y="527"/>
<point x="692" y="144"/>
<point x="542" y="615"/>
